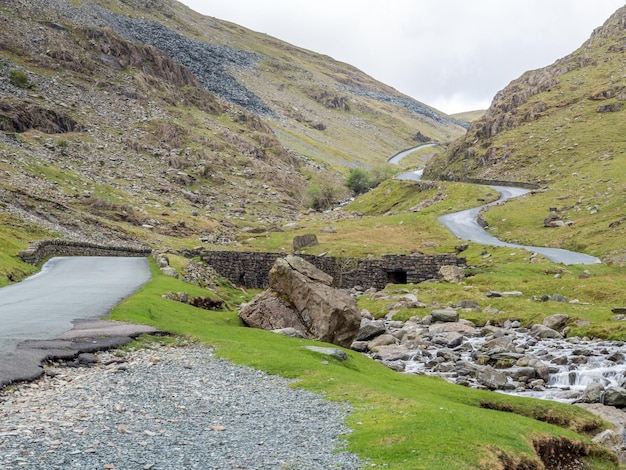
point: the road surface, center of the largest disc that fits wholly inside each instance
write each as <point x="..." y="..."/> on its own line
<point x="68" y="288"/>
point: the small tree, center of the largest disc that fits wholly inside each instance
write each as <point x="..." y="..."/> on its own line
<point x="358" y="180"/>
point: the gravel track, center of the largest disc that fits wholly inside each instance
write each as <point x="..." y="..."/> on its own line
<point x="168" y="408"/>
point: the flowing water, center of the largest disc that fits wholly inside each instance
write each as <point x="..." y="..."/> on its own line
<point x="569" y="364"/>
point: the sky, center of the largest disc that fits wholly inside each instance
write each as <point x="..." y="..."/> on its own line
<point x="454" y="55"/>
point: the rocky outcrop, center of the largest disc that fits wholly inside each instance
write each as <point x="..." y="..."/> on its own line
<point x="301" y="297"/>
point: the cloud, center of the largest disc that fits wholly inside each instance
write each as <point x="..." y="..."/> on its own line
<point x="451" y="54"/>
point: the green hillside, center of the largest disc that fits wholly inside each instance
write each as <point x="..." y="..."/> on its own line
<point x="561" y="128"/>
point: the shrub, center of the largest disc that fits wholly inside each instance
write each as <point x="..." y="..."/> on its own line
<point x="358" y="180"/>
<point x="19" y="79"/>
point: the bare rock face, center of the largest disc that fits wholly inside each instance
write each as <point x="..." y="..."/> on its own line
<point x="301" y="296"/>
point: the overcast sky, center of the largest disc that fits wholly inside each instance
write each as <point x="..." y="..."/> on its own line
<point x="451" y="54"/>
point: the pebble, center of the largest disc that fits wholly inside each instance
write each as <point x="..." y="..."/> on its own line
<point x="144" y="413"/>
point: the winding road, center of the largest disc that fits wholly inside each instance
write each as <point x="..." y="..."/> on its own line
<point x="464" y="224"/>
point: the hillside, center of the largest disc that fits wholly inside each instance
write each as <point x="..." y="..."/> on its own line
<point x="146" y="123"/>
<point x="560" y="128"/>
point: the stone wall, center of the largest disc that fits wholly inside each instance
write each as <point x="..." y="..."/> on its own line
<point x="250" y="269"/>
<point x="39" y="251"/>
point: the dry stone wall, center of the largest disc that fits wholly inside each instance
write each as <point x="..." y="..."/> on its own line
<point x="38" y="252"/>
<point x="250" y="269"/>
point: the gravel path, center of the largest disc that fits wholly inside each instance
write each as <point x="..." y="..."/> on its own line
<point x="168" y="408"/>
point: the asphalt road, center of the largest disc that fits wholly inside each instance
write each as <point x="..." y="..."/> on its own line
<point x="43" y="306"/>
<point x="464" y="225"/>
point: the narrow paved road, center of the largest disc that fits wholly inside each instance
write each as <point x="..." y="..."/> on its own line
<point x="465" y="226"/>
<point x="43" y="306"/>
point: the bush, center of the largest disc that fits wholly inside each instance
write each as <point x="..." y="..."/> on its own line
<point x="358" y="181"/>
<point x="322" y="195"/>
<point x="19" y="79"/>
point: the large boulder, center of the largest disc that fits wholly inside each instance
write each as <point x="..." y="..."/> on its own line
<point x="314" y="306"/>
<point x="614" y="396"/>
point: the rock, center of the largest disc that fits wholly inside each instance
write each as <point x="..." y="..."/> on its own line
<point x="608" y="438"/>
<point x="541" y="331"/>
<point x="297" y="265"/>
<point x="553" y="220"/>
<point x="557" y="321"/>
<point x="521" y="374"/>
<point x="614" y="396"/>
<point x="468" y="304"/>
<point x="370" y="329"/>
<point x="382" y="340"/>
<point x="289" y="331"/>
<point x="444" y="315"/>
<point x="303" y="241"/>
<point x="592" y="394"/>
<point x="162" y="261"/>
<point x="268" y="311"/>
<point x="366" y="314"/>
<point x="452" y="274"/>
<point x="300" y="296"/>
<point x="609" y="108"/>
<point x="454" y="340"/>
<point x="329" y="229"/>
<point x="169" y="271"/>
<point x="335" y="353"/>
<point x="392" y="352"/>
<point x="497" y="345"/>
<point x="619" y="310"/>
<point x="359" y="346"/>
<point x="328" y="314"/>
<point x="452" y="327"/>
<point x="492" y="378"/>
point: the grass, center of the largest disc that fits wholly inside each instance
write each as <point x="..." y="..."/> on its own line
<point x="15" y="234"/>
<point x="399" y="421"/>
<point x="397" y="217"/>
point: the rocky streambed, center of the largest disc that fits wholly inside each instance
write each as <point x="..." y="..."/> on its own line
<point x="536" y="361"/>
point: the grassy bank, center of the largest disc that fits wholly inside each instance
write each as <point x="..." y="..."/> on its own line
<point x="400" y="421"/>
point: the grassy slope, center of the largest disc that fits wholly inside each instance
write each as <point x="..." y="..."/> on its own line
<point x="575" y="153"/>
<point x="291" y="80"/>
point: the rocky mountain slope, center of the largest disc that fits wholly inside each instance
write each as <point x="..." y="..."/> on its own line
<point x="144" y="122"/>
<point x="562" y="129"/>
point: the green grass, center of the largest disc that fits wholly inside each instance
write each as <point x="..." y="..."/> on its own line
<point x="15" y="235"/>
<point x="397" y="217"/>
<point x="400" y="421"/>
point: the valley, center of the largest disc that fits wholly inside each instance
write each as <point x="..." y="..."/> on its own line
<point x="146" y="125"/>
